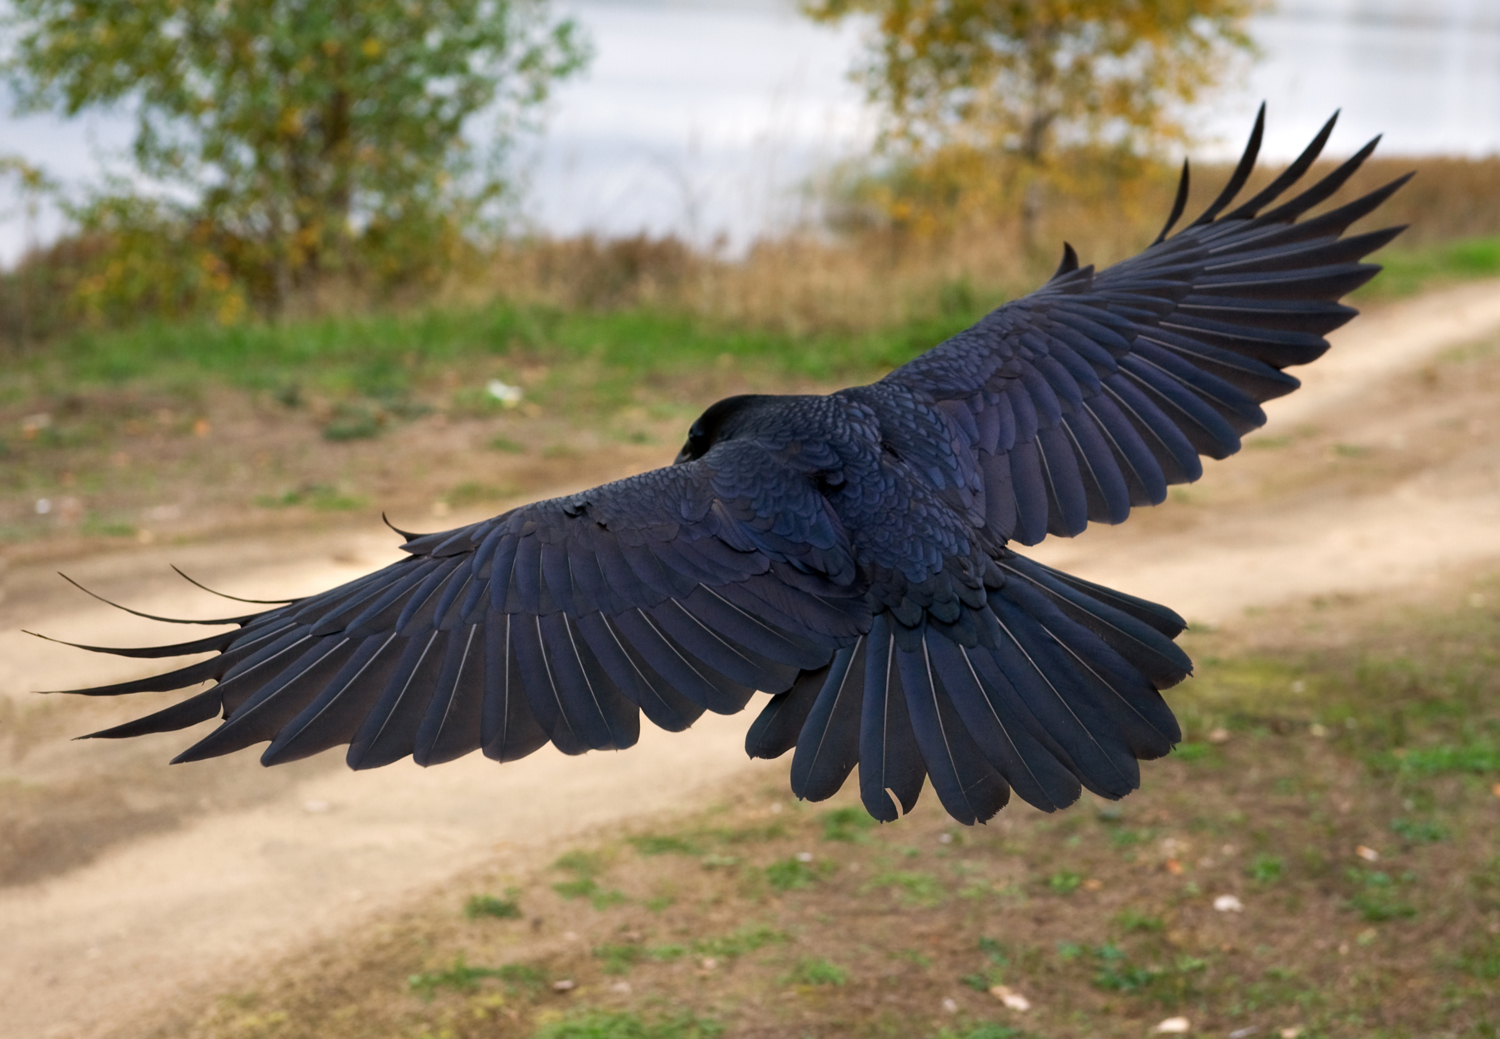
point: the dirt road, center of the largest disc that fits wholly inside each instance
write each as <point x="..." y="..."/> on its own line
<point x="131" y="884"/>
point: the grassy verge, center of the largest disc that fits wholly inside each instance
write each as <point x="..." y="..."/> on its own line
<point x="578" y="356"/>
<point x="1409" y="271"/>
<point x="1316" y="860"/>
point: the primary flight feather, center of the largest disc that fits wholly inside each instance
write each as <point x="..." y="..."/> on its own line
<point x="850" y="554"/>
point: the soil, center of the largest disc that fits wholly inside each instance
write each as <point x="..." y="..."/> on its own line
<point x="127" y="886"/>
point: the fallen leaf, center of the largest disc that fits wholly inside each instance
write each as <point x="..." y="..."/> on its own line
<point x="1010" y="997"/>
<point x="1229" y="904"/>
<point x="1093" y="884"/>
<point x="1368" y="854"/>
<point x="950" y="1005"/>
<point x="1220" y="735"/>
<point x="1173" y="867"/>
<point x="1174" y="1025"/>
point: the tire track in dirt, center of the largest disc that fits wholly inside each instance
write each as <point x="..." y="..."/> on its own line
<point x="179" y="910"/>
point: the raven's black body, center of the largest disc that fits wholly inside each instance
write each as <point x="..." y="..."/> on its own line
<point x="849" y="553"/>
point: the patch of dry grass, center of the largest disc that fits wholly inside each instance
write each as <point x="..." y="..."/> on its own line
<point x="877" y="276"/>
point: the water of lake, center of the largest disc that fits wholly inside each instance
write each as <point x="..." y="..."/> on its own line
<point x="709" y="119"/>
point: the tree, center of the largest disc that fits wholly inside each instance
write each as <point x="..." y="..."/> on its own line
<point x="290" y="138"/>
<point x="1021" y="80"/>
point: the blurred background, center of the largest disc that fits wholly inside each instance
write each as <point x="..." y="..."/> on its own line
<point x="272" y="268"/>
<point x="708" y="120"/>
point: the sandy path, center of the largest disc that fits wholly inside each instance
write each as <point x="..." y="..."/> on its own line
<point x="85" y="951"/>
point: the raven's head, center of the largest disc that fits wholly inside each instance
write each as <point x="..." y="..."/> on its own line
<point x="719" y="422"/>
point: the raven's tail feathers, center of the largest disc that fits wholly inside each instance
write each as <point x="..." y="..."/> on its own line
<point x="1059" y="693"/>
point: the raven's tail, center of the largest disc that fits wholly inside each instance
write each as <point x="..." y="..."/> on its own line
<point x="1058" y="691"/>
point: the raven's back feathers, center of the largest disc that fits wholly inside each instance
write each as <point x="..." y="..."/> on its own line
<point x="847" y="554"/>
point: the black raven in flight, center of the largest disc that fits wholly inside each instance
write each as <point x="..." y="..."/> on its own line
<point x="853" y="555"/>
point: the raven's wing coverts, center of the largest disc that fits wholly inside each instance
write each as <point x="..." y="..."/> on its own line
<point x="847" y="554"/>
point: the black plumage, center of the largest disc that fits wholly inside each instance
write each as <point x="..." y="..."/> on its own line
<point x="849" y="554"/>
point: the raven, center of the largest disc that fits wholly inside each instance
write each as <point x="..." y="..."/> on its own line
<point x="850" y="554"/>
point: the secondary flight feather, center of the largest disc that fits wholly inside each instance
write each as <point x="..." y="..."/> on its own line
<point x="855" y="554"/>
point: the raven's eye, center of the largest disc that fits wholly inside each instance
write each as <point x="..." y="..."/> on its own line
<point x="697" y="446"/>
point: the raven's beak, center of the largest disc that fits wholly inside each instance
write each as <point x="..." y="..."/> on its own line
<point x="683" y="456"/>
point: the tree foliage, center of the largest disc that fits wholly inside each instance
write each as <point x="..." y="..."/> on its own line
<point x="284" y="139"/>
<point x="961" y="84"/>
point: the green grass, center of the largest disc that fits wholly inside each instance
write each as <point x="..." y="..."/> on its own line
<point x="374" y="364"/>
<point x="618" y="959"/>
<point x="1115" y="973"/>
<point x="998" y="957"/>
<point x="746" y="939"/>
<point x="812" y="971"/>
<point x="1134" y="920"/>
<point x="460" y="976"/>
<point x="914" y="886"/>
<point x="1190" y="750"/>
<point x="665" y="844"/>
<point x="1064" y="882"/>
<point x="320" y="497"/>
<point x="1409" y="271"/>
<point x="1419" y="831"/>
<point x="987" y="1030"/>
<point x="606" y="1024"/>
<point x="793" y="873"/>
<point x="488" y="905"/>
<point x="996" y="952"/>
<point x="93" y="523"/>
<point x="1377" y="896"/>
<point x="472" y="492"/>
<point x="585" y="867"/>
<point x="1265" y="869"/>
<point x="584" y="864"/>
<point x="846" y="824"/>
<point x="1480" y="757"/>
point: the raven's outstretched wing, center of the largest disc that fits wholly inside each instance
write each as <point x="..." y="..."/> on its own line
<point x="1094" y="393"/>
<point x="671" y="592"/>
